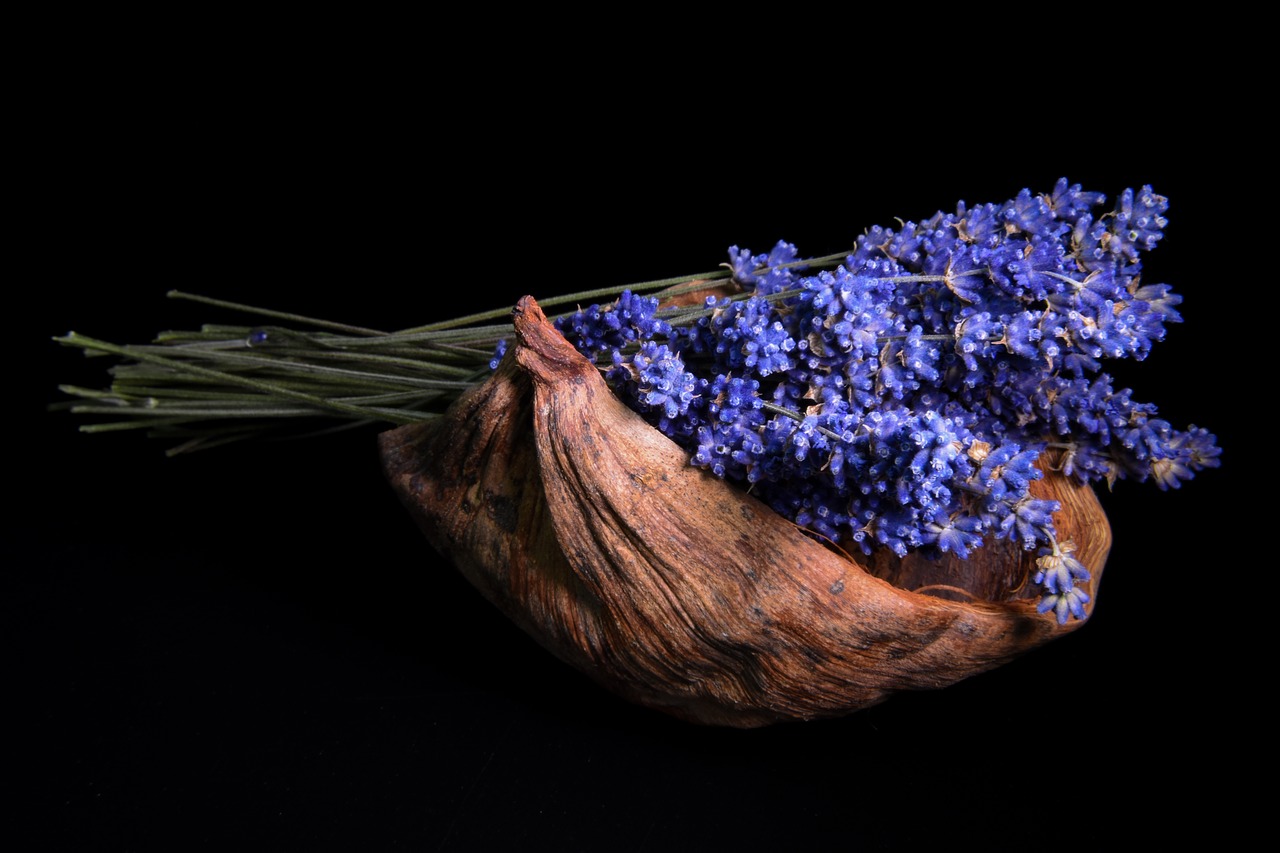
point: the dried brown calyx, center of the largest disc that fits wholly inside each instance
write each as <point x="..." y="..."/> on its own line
<point x="681" y="592"/>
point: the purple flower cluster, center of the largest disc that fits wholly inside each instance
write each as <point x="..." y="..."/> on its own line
<point x="905" y="398"/>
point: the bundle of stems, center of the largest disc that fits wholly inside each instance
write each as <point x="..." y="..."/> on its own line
<point x="227" y="383"/>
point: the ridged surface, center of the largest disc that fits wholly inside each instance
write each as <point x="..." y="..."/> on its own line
<point x="678" y="591"/>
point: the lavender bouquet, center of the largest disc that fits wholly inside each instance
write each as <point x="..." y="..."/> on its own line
<point x="892" y="413"/>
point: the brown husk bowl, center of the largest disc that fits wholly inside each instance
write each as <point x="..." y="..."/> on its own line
<point x="679" y="591"/>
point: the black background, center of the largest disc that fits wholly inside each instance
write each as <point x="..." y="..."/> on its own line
<point x="255" y="647"/>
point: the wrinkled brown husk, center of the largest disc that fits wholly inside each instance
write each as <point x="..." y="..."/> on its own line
<point x="678" y="591"/>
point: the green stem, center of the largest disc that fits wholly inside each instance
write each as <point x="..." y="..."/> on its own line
<point x="74" y="339"/>
<point x="279" y="315"/>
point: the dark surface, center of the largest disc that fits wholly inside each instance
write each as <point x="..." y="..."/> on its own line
<point x="254" y="647"/>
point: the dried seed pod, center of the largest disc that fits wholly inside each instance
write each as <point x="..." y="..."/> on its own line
<point x="678" y="591"/>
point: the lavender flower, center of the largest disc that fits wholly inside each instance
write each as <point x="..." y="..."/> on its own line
<point x="908" y="397"/>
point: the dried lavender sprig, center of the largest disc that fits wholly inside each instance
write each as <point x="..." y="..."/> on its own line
<point x="901" y="399"/>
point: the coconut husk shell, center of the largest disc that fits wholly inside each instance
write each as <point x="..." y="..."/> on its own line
<point x="681" y="592"/>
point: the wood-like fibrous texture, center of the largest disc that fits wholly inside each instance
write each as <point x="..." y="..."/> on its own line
<point x="678" y="591"/>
